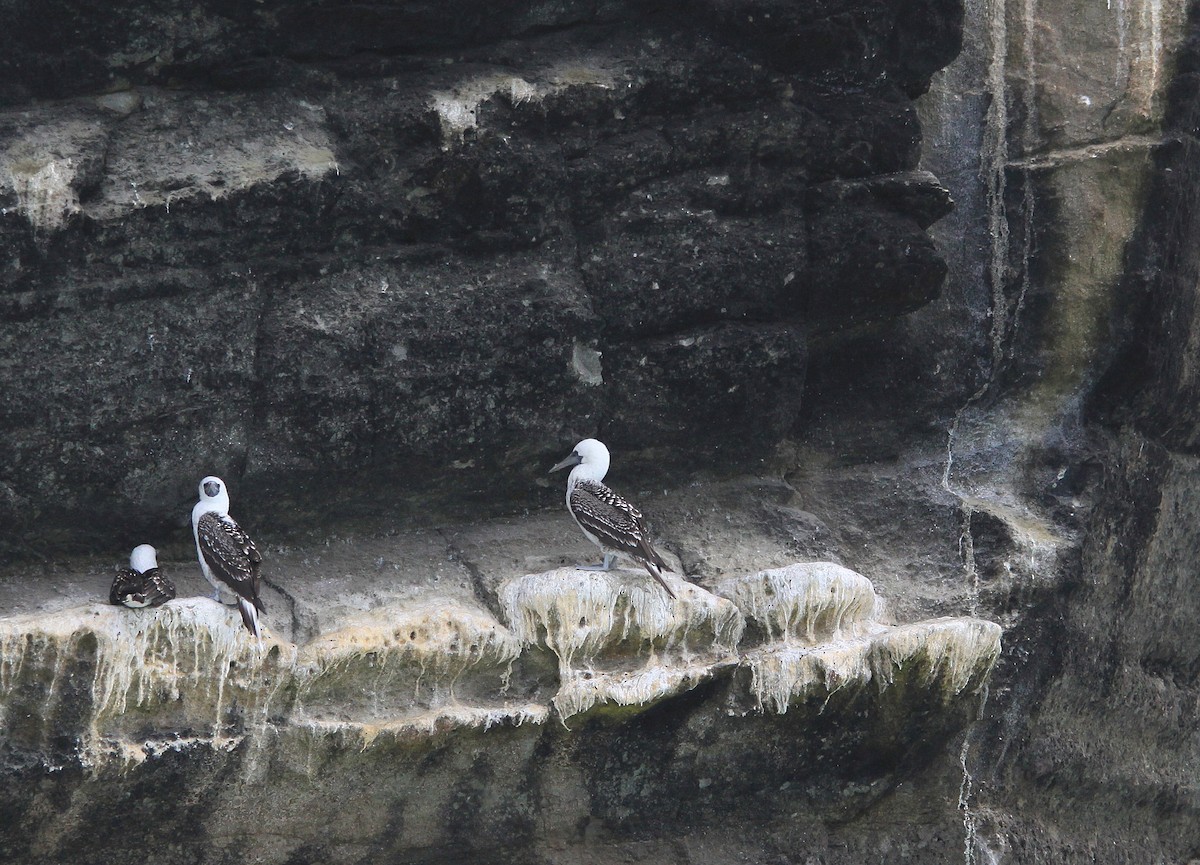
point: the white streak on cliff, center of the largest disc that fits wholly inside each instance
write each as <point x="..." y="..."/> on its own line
<point x="782" y="675"/>
<point x="188" y="658"/>
<point x="580" y="614"/>
<point x="423" y="724"/>
<point x="946" y="655"/>
<point x="952" y="652"/>
<point x="458" y="107"/>
<point x="44" y="191"/>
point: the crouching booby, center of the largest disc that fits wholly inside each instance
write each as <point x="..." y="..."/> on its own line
<point x="228" y="558"/>
<point x="140" y="584"/>
<point x="607" y="519"/>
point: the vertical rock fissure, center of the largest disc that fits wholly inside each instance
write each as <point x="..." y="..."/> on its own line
<point x="965" y="790"/>
<point x="1009" y="247"/>
<point x="993" y="165"/>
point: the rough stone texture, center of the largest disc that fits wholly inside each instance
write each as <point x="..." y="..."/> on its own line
<point x="348" y="268"/>
<point x="1073" y="528"/>
<point x="656" y="719"/>
<point x="383" y="264"/>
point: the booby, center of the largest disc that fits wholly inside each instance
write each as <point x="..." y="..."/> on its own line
<point x="140" y="584"/>
<point x="607" y="519"/>
<point x="228" y="558"/>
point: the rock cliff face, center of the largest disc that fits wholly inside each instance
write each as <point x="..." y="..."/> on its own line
<point x="927" y="472"/>
<point x="1116" y="724"/>
<point x="1080" y="421"/>
<point x="355" y="255"/>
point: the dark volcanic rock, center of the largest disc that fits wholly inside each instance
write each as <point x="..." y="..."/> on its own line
<point x="385" y="263"/>
<point x="407" y="253"/>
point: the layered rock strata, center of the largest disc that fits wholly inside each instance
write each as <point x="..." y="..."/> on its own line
<point x="122" y="702"/>
<point x="392" y="274"/>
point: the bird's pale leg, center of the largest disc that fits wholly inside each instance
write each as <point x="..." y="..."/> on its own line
<point x="606" y="565"/>
<point x="216" y="595"/>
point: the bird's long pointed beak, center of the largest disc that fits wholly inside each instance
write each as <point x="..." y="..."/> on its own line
<point x="573" y="460"/>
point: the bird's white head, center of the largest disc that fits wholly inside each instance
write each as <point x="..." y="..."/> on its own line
<point x="590" y="461"/>
<point x="214" y="495"/>
<point x="143" y="558"/>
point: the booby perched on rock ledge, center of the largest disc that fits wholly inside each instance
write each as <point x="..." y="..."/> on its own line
<point x="228" y="558"/>
<point x="140" y="584"/>
<point x="607" y="519"/>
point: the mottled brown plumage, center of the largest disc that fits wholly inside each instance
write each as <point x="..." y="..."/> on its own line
<point x="616" y="526"/>
<point x="232" y="558"/>
<point x="606" y="518"/>
<point x="133" y="589"/>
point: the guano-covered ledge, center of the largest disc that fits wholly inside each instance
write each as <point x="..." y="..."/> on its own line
<point x="123" y="699"/>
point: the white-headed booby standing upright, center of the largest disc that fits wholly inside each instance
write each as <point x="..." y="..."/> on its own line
<point x="140" y="584"/>
<point x="228" y="557"/>
<point x="607" y="519"/>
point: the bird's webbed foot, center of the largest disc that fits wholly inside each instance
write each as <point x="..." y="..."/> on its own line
<point x="605" y="565"/>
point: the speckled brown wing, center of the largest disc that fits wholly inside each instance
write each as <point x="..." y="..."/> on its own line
<point x="231" y="555"/>
<point x="159" y="589"/>
<point x="149" y="589"/>
<point x="617" y="524"/>
<point x="127" y="584"/>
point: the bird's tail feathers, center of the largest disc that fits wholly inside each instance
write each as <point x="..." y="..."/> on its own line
<point x="652" y="556"/>
<point x="256" y="588"/>
<point x="249" y="616"/>
<point x="652" y="569"/>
